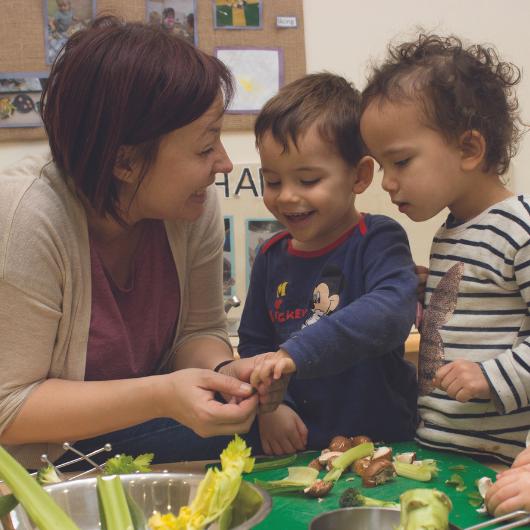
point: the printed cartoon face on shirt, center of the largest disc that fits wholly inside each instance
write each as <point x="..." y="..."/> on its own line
<point x="326" y="295"/>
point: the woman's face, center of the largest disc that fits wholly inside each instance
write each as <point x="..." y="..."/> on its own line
<point x="187" y="161"/>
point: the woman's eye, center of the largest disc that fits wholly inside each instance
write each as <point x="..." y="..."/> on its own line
<point x="206" y="152"/>
<point x="401" y="163"/>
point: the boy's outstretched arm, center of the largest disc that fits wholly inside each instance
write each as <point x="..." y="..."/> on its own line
<point x="375" y="323"/>
<point x="270" y="367"/>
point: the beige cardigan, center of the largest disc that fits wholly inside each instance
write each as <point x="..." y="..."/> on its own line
<point x="45" y="286"/>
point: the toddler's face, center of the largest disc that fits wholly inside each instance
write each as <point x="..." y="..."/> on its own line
<point x="421" y="170"/>
<point x="63" y="6"/>
<point x="309" y="189"/>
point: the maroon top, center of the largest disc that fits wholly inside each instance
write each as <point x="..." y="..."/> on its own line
<point x="132" y="327"/>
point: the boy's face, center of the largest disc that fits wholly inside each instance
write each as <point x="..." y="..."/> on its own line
<point x="421" y="170"/>
<point x="310" y="190"/>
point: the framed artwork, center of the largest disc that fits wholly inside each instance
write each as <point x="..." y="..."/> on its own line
<point x="175" y="16"/>
<point x="20" y="98"/>
<point x="228" y="257"/>
<point x="258" y="74"/>
<point x="62" y="18"/>
<point x="237" y="14"/>
<point x="258" y="231"/>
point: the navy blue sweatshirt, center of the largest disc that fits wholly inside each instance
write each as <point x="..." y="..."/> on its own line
<point x="343" y="314"/>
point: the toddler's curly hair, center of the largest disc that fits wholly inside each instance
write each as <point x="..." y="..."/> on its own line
<point x="460" y="89"/>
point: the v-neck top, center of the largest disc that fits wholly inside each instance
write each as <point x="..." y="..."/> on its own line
<point x="132" y="326"/>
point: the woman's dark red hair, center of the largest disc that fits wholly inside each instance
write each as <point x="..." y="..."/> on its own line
<point x="123" y="84"/>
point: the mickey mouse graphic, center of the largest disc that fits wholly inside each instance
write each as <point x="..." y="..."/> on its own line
<point x="326" y="296"/>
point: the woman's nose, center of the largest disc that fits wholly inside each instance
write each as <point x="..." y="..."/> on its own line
<point x="223" y="164"/>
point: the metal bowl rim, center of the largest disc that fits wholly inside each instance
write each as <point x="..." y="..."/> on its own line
<point x="259" y="516"/>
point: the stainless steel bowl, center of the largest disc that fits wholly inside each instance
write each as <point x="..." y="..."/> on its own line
<point x="162" y="492"/>
<point x="363" y="518"/>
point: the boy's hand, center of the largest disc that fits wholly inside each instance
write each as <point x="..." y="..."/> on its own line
<point x="510" y="492"/>
<point x="270" y="367"/>
<point x="462" y="380"/>
<point x="282" y="431"/>
<point x="270" y="396"/>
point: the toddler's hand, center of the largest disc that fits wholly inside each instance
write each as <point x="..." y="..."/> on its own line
<point x="270" y="367"/>
<point x="523" y="458"/>
<point x="462" y="380"/>
<point x="510" y="492"/>
<point x="282" y="431"/>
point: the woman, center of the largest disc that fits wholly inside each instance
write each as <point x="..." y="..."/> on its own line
<point x="111" y="308"/>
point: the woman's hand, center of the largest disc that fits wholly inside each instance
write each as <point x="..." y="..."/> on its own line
<point x="188" y="396"/>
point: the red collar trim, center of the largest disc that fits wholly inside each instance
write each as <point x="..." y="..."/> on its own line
<point x="361" y="225"/>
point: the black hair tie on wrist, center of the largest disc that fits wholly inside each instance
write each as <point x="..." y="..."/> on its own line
<point x="221" y="364"/>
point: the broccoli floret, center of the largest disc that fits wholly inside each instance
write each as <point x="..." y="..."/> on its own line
<point x="352" y="497"/>
<point x="47" y="475"/>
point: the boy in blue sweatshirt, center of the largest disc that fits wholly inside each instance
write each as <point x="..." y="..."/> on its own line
<point x="332" y="299"/>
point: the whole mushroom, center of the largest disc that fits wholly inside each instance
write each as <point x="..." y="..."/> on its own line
<point x="358" y="440"/>
<point x="340" y="443"/>
<point x="378" y="472"/>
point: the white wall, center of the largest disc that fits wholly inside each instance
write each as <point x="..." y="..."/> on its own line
<point x="343" y="36"/>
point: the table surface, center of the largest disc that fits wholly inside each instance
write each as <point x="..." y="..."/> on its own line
<point x="295" y="511"/>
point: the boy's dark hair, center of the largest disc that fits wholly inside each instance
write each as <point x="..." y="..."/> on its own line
<point x="460" y="88"/>
<point x="123" y="84"/>
<point x="325" y="99"/>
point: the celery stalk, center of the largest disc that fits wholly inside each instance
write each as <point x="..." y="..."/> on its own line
<point x="114" y="510"/>
<point x="346" y="459"/>
<point x="297" y="479"/>
<point x="421" y="472"/>
<point x="42" y="509"/>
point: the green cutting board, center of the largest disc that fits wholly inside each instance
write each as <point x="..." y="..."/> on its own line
<point x="294" y="511"/>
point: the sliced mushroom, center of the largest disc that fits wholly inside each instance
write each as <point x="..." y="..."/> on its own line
<point x="315" y="464"/>
<point x="319" y="488"/>
<point x="325" y="456"/>
<point x="378" y="472"/>
<point x="382" y="453"/>
<point x="340" y="443"/>
<point x="406" y="458"/>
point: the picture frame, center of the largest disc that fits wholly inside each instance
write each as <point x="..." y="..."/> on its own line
<point x="63" y="18"/>
<point x="175" y="16"/>
<point x="20" y="94"/>
<point x="258" y="75"/>
<point x="228" y="257"/>
<point x="258" y="230"/>
<point x="237" y="14"/>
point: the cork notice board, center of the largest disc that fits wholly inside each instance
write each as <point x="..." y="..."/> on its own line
<point x="22" y="46"/>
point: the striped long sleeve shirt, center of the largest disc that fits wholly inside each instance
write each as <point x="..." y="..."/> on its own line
<point x="485" y="319"/>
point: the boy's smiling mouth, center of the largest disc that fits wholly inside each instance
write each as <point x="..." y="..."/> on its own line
<point x="296" y="217"/>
